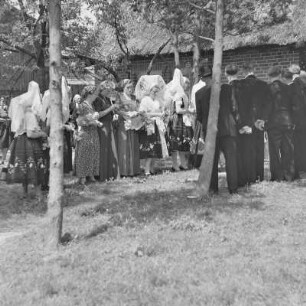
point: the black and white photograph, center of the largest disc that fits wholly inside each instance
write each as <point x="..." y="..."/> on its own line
<point x="152" y="152"/>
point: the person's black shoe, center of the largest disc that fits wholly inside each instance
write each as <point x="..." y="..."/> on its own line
<point x="183" y="169"/>
<point x="233" y="191"/>
<point x="44" y="188"/>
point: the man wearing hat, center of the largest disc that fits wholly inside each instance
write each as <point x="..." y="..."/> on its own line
<point x="226" y="140"/>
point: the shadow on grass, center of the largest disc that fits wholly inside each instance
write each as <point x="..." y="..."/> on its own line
<point x="12" y="203"/>
<point x="145" y="207"/>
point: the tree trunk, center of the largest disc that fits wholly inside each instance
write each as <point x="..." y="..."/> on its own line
<point x="210" y="141"/>
<point x="41" y="57"/>
<point x="175" y="50"/>
<point x="156" y="55"/>
<point x="196" y="59"/>
<point x="55" y="209"/>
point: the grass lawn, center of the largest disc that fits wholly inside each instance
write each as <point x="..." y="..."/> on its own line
<point x="143" y="242"/>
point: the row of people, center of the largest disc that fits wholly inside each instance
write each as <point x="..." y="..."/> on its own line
<point x="249" y="107"/>
<point x="146" y="127"/>
<point x="102" y="151"/>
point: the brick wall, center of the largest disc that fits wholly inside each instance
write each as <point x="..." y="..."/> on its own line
<point x="262" y="57"/>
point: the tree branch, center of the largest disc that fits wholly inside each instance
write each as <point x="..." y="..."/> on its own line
<point x="156" y="55"/>
<point x="26" y="64"/>
<point x="126" y="52"/>
<point x="103" y="64"/>
<point x="8" y="49"/>
<point x="206" y="38"/>
<point x="203" y="8"/>
<point x="42" y="10"/>
<point x="24" y="14"/>
<point x="20" y="49"/>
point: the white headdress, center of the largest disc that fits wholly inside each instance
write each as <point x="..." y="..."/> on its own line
<point x="146" y="83"/>
<point x="176" y="86"/>
<point x="31" y="99"/>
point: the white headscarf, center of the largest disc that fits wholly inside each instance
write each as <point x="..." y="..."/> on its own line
<point x="46" y="103"/>
<point x="146" y="83"/>
<point x="176" y="86"/>
<point x="18" y="106"/>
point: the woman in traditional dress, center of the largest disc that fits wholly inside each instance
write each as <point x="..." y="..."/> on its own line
<point x="87" y="152"/>
<point x="180" y="125"/>
<point x="26" y="162"/>
<point x="105" y="106"/>
<point x="126" y="137"/>
<point x="152" y="135"/>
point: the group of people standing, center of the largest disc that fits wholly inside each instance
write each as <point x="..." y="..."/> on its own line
<point x="133" y="123"/>
<point x="114" y="126"/>
<point x="111" y="126"/>
<point x="251" y="109"/>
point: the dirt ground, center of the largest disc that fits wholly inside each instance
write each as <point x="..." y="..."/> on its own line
<point x="144" y="242"/>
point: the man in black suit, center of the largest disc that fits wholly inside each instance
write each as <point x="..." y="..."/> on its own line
<point x="256" y="92"/>
<point x="298" y="87"/>
<point x="246" y="141"/>
<point x="278" y="119"/>
<point x="227" y="132"/>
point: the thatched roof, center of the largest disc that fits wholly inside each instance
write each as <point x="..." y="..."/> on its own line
<point x="148" y="38"/>
<point x="283" y="34"/>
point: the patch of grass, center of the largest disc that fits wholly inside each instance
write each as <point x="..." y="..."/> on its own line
<point x="150" y="245"/>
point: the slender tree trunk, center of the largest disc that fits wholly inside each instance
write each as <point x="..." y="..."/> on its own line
<point x="41" y="57"/>
<point x="196" y="59"/>
<point x="55" y="209"/>
<point x="210" y="141"/>
<point x="175" y="50"/>
<point x="156" y="55"/>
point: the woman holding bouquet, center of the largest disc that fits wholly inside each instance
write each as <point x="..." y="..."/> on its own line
<point x="152" y="135"/>
<point x="105" y="105"/>
<point x="180" y="125"/>
<point x="126" y="134"/>
<point x="87" y="152"/>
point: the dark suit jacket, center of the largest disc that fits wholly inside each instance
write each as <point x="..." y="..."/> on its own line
<point x="226" y="118"/>
<point x="298" y="89"/>
<point x="258" y="93"/>
<point x="279" y="112"/>
<point x="202" y="98"/>
<point x="227" y="121"/>
<point x="241" y="97"/>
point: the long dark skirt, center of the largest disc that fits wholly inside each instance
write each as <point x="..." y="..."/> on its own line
<point x="27" y="161"/>
<point x="150" y="145"/>
<point x="67" y="151"/>
<point x="128" y="150"/>
<point x="180" y="135"/>
<point x="5" y="134"/>
<point x="87" y="153"/>
<point x="109" y="167"/>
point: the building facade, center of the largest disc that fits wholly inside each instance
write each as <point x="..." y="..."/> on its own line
<point x="262" y="58"/>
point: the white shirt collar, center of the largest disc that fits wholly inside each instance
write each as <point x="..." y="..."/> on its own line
<point x="295" y="76"/>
